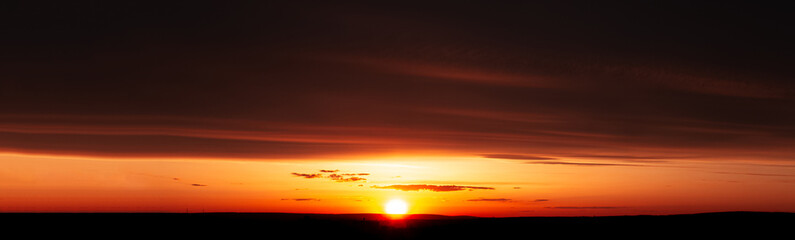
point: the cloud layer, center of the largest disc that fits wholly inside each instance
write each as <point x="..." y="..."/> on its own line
<point x="534" y="82"/>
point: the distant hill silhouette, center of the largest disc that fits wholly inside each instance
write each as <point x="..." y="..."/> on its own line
<point x="759" y="225"/>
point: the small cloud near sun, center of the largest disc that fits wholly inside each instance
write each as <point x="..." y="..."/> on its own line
<point x="308" y="175"/>
<point x="340" y="178"/>
<point x="354" y="174"/>
<point x="337" y="177"/>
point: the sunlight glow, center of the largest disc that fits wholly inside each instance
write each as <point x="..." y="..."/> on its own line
<point x="396" y="206"/>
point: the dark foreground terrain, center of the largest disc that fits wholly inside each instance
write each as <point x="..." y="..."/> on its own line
<point x="754" y="225"/>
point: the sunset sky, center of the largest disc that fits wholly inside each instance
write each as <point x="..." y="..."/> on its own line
<point x="483" y="109"/>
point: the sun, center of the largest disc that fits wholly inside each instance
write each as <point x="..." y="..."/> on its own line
<point x="396" y="206"/>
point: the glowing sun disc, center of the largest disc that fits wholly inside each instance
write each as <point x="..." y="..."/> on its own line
<point x="396" y="206"/>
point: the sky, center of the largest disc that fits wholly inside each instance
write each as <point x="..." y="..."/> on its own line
<point x="456" y="107"/>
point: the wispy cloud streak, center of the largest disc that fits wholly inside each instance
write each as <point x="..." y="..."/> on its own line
<point x="489" y="200"/>
<point x="434" y="188"/>
<point x="584" y="164"/>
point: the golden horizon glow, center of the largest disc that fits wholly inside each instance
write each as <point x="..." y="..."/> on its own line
<point x="450" y="185"/>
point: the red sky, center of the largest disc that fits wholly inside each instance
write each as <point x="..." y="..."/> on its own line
<point x="462" y="109"/>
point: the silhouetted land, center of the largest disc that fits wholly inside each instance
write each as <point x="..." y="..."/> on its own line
<point x="756" y="225"/>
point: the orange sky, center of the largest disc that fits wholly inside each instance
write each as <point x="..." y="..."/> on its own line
<point x="41" y="183"/>
<point x="498" y="109"/>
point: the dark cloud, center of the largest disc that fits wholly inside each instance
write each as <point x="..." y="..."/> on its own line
<point x="162" y="144"/>
<point x="329" y="171"/>
<point x="534" y="81"/>
<point x="435" y="188"/>
<point x="541" y="200"/>
<point x="198" y="185"/>
<point x="516" y="156"/>
<point x="584" y="164"/>
<point x="490" y="200"/>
